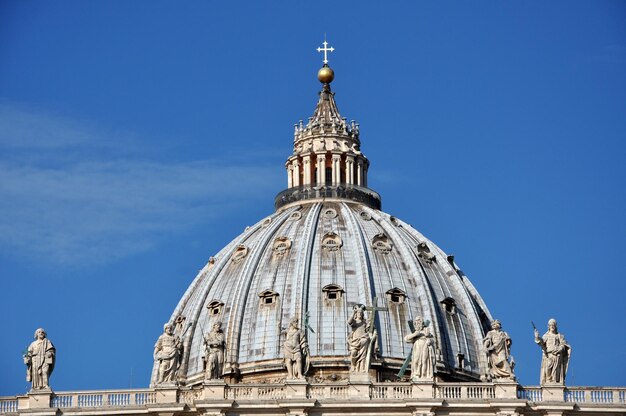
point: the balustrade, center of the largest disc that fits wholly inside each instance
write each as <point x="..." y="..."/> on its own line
<point x="8" y="405"/>
<point x="449" y="392"/>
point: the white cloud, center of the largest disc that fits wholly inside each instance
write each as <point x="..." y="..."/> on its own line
<point x="75" y="210"/>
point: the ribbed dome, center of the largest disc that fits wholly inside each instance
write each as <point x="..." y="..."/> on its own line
<point x="290" y="257"/>
<point x="327" y="248"/>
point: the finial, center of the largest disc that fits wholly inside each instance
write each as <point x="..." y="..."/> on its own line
<point x="325" y="74"/>
<point x="325" y="49"/>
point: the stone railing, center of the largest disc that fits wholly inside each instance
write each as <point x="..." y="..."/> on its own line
<point x="465" y="391"/>
<point x="599" y="395"/>
<point x="189" y="398"/>
<point x="109" y="398"/>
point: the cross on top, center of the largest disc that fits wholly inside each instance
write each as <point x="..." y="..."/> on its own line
<point x="325" y="49"/>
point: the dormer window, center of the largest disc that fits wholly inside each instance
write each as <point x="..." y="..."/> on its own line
<point x="330" y="213"/>
<point x="365" y="216"/>
<point x="331" y="242"/>
<point x="449" y="305"/>
<point x="215" y="307"/>
<point x="268" y="297"/>
<point x="240" y="253"/>
<point x="332" y="292"/>
<point x="381" y="244"/>
<point x="281" y="245"/>
<point x="396" y="295"/>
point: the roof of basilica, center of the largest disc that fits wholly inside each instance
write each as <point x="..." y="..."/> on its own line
<point x="326" y="249"/>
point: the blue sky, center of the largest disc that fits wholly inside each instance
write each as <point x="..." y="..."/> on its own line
<point x="138" y="138"/>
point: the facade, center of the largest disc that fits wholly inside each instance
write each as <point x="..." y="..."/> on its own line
<point x="330" y="306"/>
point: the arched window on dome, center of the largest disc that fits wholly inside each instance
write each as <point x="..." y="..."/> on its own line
<point x="215" y="307"/>
<point x="241" y="251"/>
<point x="449" y="305"/>
<point x="281" y="246"/>
<point x="382" y="244"/>
<point x="331" y="242"/>
<point x="268" y="297"/>
<point x="332" y="292"/>
<point x="396" y="295"/>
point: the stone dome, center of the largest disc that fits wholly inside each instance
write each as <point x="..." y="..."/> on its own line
<point x="327" y="248"/>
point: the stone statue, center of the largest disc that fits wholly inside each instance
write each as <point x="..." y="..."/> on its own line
<point x="168" y="352"/>
<point x="214" y="351"/>
<point x="556" y="354"/>
<point x="359" y="340"/>
<point x="497" y="345"/>
<point x="296" y="351"/>
<point x="423" y="354"/>
<point x="39" y="359"/>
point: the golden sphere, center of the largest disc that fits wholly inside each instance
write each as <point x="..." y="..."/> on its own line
<point x="326" y="75"/>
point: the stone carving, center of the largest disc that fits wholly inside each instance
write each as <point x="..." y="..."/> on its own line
<point x="39" y="359"/>
<point x="497" y="346"/>
<point x="359" y="340"/>
<point x="214" y="351"/>
<point x="423" y="353"/>
<point x="556" y="355"/>
<point x="423" y="251"/>
<point x="167" y="352"/>
<point x="296" y="351"/>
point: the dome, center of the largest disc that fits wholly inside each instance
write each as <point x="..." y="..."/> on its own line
<point x="327" y="248"/>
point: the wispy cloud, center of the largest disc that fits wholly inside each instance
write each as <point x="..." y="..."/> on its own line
<point x="76" y="210"/>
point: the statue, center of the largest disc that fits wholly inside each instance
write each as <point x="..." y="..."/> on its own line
<point x="39" y="359"/>
<point x="497" y="345"/>
<point x="359" y="340"/>
<point x="423" y="354"/>
<point x="556" y="354"/>
<point x="214" y="350"/>
<point x="296" y="351"/>
<point x="168" y="352"/>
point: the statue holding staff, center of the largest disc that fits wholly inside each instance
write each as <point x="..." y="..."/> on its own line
<point x="556" y="354"/>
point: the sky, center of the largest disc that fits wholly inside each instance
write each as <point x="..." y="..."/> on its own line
<point x="139" y="138"/>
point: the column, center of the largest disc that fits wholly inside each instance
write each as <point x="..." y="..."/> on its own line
<point x="359" y="172"/>
<point x="321" y="169"/>
<point x="296" y="173"/>
<point x="289" y="175"/>
<point x="350" y="169"/>
<point x="336" y="168"/>
<point x="366" y="165"/>
<point x="306" y="166"/>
